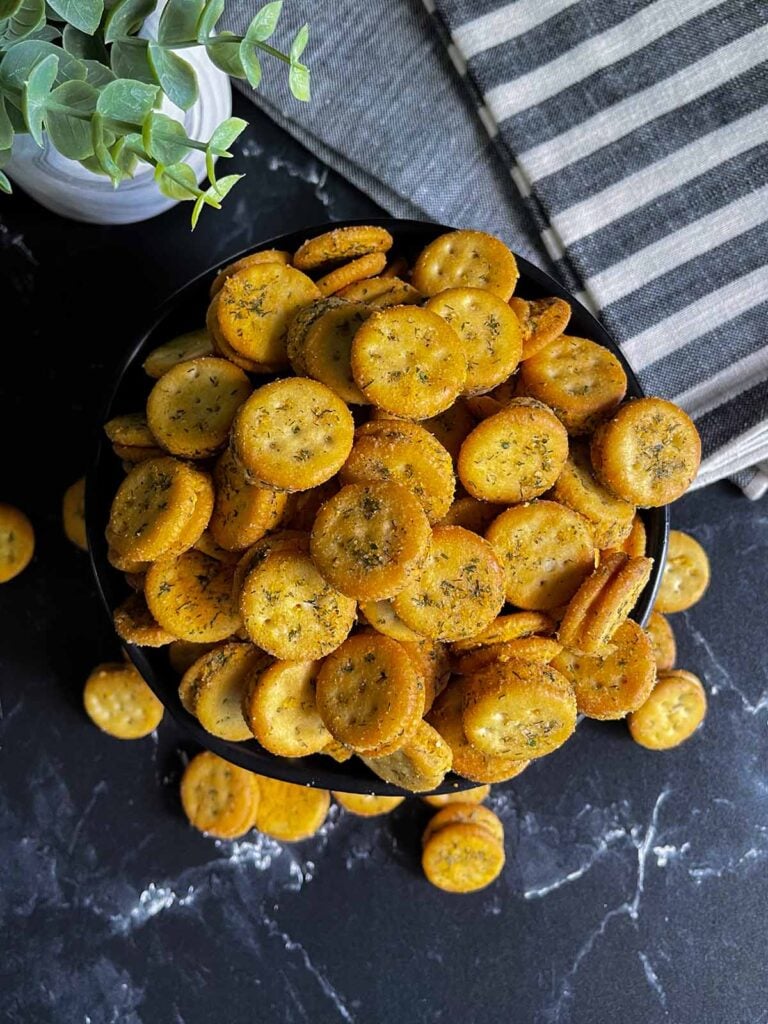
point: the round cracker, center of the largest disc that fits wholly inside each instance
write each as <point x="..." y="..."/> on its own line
<point x="366" y="805"/>
<point x="462" y="858"/>
<point x="419" y="766"/>
<point x="582" y="382"/>
<point x="610" y="685"/>
<point x="471" y="514"/>
<point x="648" y="454"/>
<point x="468" y="812"/>
<point x="518" y="709"/>
<point x="120" y="703"/>
<point x="219" y="798"/>
<point x="603" y="602"/>
<point x="451" y="427"/>
<point x="265" y="256"/>
<point x="242" y="513"/>
<point x="280" y="708"/>
<point x="356" y="270"/>
<point x="130" y="430"/>
<point x="674" y="710"/>
<point x="686" y="574"/>
<point x="73" y="514"/>
<point x="254" y="307"/>
<point x="340" y="244"/>
<point x="635" y="543"/>
<point x="327" y="348"/>
<point x="370" y="541"/>
<point x="541" y="321"/>
<point x="468" y="761"/>
<point x="408" y="361"/>
<point x="135" y="624"/>
<point x="369" y="694"/>
<point x="191" y="597"/>
<point x="290" y="813"/>
<point x="299" y="324"/>
<point x="461" y="796"/>
<point x="215" y="686"/>
<point x="512" y="626"/>
<point x="406" y="454"/>
<point x="289" y="610"/>
<point x="293" y="434"/>
<point x="380" y="292"/>
<point x="460" y="590"/>
<point x="659" y="632"/>
<point x="152" y="508"/>
<point x="488" y="330"/>
<point x="577" y="487"/>
<point x="191" y="345"/>
<point x="466" y="259"/>
<point x="539" y="649"/>
<point x="191" y="408"/>
<point x="515" y="455"/>
<point x="431" y="661"/>
<point x="547" y="551"/>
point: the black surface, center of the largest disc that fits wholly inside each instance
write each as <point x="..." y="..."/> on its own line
<point x="184" y="311"/>
<point x="635" y="888"/>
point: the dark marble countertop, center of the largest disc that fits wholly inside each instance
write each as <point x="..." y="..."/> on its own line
<point x="636" y="885"/>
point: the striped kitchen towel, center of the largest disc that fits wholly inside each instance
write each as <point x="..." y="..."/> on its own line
<point x="637" y="133"/>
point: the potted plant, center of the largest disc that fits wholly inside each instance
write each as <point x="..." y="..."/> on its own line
<point x="103" y="119"/>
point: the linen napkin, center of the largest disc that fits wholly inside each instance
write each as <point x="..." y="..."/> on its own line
<point x="625" y="139"/>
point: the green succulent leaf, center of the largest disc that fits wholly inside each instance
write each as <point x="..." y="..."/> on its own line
<point x="86" y="47"/>
<point x="225" y="54"/>
<point x="6" y="128"/>
<point x="28" y="17"/>
<point x="21" y="59"/>
<point x="98" y="74"/>
<point x="16" y="118"/>
<point x="179" y="21"/>
<point x="126" y="18"/>
<point x="177" y="181"/>
<point x="214" y="195"/>
<point x="68" y="119"/>
<point x="35" y="93"/>
<point x="265" y="22"/>
<point x="5" y="185"/>
<point x="8" y="8"/>
<point x="164" y="139"/>
<point x="102" y="152"/>
<point x="251" y="63"/>
<point x="299" y="44"/>
<point x="176" y="76"/>
<point x="226" y="133"/>
<point x="298" y="81"/>
<point x="129" y="59"/>
<point x="212" y="11"/>
<point x="124" y="153"/>
<point x="83" y="14"/>
<point x="49" y="33"/>
<point x="128" y="100"/>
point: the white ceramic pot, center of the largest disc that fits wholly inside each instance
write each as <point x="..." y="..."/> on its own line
<point x="65" y="187"/>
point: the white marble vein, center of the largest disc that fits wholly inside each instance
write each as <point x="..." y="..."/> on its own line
<point x="652" y="978"/>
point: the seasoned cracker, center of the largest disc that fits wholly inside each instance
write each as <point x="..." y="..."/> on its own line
<point x="366" y="805"/>
<point x="191" y="597"/>
<point x="466" y="259"/>
<point x="118" y="700"/>
<point x="461" y="588"/>
<point x="342" y="244"/>
<point x="265" y="256"/>
<point x="293" y="434"/>
<point x="73" y="514"/>
<point x="648" y="454"/>
<point x="419" y="766"/>
<point x="408" y="361"/>
<point x="674" y="710"/>
<point x="219" y="798"/>
<point x="370" y="694"/>
<point x="280" y="709"/>
<point x="515" y="455"/>
<point x="349" y="273"/>
<point x="541" y="321"/>
<point x="686" y="574"/>
<point x="547" y="551"/>
<point x="370" y="541"/>
<point x="462" y="858"/>
<point x="612" y="684"/>
<point x="290" y="813"/>
<point x="191" y="345"/>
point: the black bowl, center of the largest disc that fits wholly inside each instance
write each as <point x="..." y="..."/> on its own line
<point x="184" y="311"/>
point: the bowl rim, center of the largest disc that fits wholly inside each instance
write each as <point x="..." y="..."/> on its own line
<point x="248" y="754"/>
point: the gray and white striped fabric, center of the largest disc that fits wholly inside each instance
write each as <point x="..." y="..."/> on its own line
<point x="637" y="133"/>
